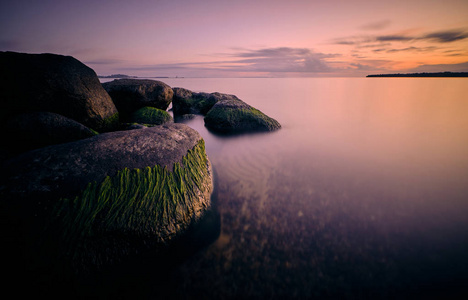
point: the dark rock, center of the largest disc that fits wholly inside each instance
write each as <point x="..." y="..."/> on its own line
<point x="93" y="202"/>
<point x="130" y="95"/>
<point x="188" y="102"/>
<point x="54" y="83"/>
<point x="151" y="115"/>
<point x="236" y="116"/>
<point x="39" y="129"/>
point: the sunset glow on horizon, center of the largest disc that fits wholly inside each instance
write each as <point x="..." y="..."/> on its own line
<point x="243" y="38"/>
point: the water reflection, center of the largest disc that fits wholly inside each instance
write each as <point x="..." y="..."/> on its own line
<point x="362" y="193"/>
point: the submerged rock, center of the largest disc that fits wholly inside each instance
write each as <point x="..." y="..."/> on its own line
<point x="94" y="202"/>
<point x="39" y="129"/>
<point x="236" y="116"/>
<point x="151" y="116"/>
<point x="185" y="117"/>
<point x="54" y="83"/>
<point x="130" y="95"/>
<point x="188" y="102"/>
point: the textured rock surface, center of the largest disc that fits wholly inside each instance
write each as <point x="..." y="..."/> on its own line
<point x="39" y="129"/>
<point x="54" y="83"/>
<point x="69" y="182"/>
<point x="188" y="102"/>
<point x="130" y="95"/>
<point x="236" y="116"/>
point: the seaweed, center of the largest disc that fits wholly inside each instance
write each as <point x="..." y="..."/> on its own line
<point x="151" y="115"/>
<point x="136" y="201"/>
<point x="109" y="123"/>
<point x="228" y="119"/>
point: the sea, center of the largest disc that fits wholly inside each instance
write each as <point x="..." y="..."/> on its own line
<point x="362" y="194"/>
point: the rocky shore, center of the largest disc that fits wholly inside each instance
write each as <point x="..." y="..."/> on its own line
<point x="80" y="189"/>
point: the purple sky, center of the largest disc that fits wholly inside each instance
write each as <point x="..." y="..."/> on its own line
<point x="243" y="38"/>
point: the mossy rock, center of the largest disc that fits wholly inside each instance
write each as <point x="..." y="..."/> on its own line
<point x="151" y="115"/>
<point x="236" y="116"/>
<point x="54" y="83"/>
<point x="94" y="202"/>
<point x="130" y="95"/>
<point x="188" y="102"/>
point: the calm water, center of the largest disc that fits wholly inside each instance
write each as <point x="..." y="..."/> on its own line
<point x="362" y="193"/>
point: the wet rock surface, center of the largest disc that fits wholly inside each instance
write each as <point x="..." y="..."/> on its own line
<point x="236" y="116"/>
<point x="59" y="200"/>
<point x="188" y="102"/>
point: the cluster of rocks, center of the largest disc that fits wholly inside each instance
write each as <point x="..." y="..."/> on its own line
<point x="223" y="113"/>
<point x="65" y="146"/>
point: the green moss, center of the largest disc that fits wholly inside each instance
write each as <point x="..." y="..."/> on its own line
<point x="228" y="119"/>
<point x="136" y="201"/>
<point x="151" y="115"/>
<point x="198" y="103"/>
<point x="94" y="132"/>
<point x="109" y="124"/>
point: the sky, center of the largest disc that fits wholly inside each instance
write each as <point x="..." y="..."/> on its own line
<point x="243" y="38"/>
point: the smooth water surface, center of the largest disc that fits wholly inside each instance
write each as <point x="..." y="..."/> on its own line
<point x="362" y="193"/>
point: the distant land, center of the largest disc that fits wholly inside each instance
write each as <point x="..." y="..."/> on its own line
<point x="117" y="76"/>
<point x="129" y="76"/>
<point x="437" y="74"/>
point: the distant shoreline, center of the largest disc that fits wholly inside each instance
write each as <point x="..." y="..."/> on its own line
<point x="437" y="74"/>
<point x="123" y="76"/>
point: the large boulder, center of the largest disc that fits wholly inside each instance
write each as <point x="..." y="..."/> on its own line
<point x="130" y="95"/>
<point x="33" y="130"/>
<point x="236" y="116"/>
<point x="188" y="102"/>
<point x="54" y="83"/>
<point x="96" y="201"/>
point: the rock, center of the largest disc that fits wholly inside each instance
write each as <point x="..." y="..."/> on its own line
<point x="236" y="116"/>
<point x="130" y="95"/>
<point x="54" y="83"/>
<point x="96" y="201"/>
<point x="188" y="102"/>
<point x="151" y="115"/>
<point x="39" y="129"/>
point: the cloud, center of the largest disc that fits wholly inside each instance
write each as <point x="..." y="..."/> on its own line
<point x="393" y="38"/>
<point x="273" y="52"/>
<point x="447" y="36"/>
<point x="269" y="61"/>
<point x="376" y="25"/>
<point x="412" y="49"/>
<point x="283" y="59"/>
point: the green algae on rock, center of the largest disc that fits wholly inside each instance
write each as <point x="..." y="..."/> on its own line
<point x="188" y="102"/>
<point x="236" y="116"/>
<point x="112" y="195"/>
<point x="153" y="203"/>
<point x="151" y="115"/>
<point x="138" y="200"/>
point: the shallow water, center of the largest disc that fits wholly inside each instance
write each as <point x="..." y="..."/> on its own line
<point x="362" y="193"/>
